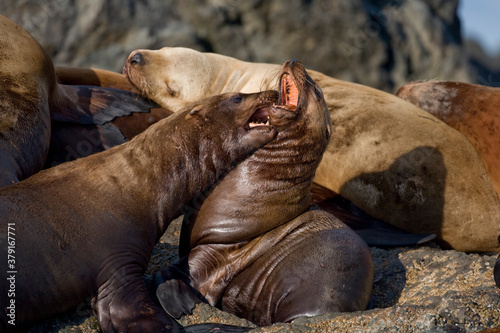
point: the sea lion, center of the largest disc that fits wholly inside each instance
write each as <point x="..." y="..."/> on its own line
<point x="393" y="160"/>
<point x="472" y="109"/>
<point x="158" y="75"/>
<point x="44" y="122"/>
<point x="254" y="245"/>
<point x="87" y="227"/>
<point x="27" y="83"/>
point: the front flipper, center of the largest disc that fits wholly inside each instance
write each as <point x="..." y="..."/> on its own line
<point x="374" y="232"/>
<point x="174" y="293"/>
<point x="93" y="77"/>
<point x="88" y="119"/>
<point x="123" y="304"/>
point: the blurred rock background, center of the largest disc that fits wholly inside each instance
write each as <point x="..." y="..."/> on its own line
<point x="380" y="43"/>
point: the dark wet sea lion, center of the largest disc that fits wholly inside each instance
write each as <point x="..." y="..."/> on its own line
<point x="254" y="246"/>
<point x="472" y="109"/>
<point x="87" y="227"/>
<point x="396" y="162"/>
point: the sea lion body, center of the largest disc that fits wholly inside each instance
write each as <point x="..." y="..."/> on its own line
<point x="393" y="160"/>
<point x="27" y="84"/>
<point x="472" y="109"/>
<point x="258" y="217"/>
<point x="87" y="227"/>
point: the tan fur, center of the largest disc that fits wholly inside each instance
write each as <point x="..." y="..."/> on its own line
<point x="472" y="109"/>
<point x="395" y="161"/>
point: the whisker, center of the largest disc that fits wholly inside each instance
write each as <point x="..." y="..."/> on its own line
<point x="273" y="73"/>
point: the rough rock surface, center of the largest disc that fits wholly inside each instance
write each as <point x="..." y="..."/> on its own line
<point x="380" y="43"/>
<point x="416" y="289"/>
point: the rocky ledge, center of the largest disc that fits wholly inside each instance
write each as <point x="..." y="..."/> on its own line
<point x="416" y="289"/>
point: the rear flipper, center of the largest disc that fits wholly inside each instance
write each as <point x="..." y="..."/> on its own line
<point x="174" y="292"/>
<point x="178" y="298"/>
<point x="321" y="267"/>
<point x="374" y="232"/>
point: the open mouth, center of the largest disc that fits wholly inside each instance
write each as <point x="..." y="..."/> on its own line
<point x="259" y="118"/>
<point x="289" y="93"/>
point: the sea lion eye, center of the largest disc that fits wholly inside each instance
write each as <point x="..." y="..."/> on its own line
<point x="237" y="99"/>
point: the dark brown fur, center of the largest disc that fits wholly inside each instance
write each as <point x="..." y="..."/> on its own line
<point x="87" y="227"/>
<point x="259" y="216"/>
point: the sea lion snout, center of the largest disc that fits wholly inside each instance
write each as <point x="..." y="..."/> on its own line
<point x="136" y="59"/>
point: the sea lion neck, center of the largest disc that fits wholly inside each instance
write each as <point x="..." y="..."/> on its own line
<point x="232" y="74"/>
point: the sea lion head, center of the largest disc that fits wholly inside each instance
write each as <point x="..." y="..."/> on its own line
<point x="301" y="100"/>
<point x="172" y="76"/>
<point x="235" y="121"/>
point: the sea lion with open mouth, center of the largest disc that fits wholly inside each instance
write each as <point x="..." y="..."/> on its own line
<point x="254" y="246"/>
<point x="88" y="227"/>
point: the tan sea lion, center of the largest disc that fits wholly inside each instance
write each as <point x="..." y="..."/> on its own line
<point x="393" y="160"/>
<point x="472" y="109"/>
<point x="87" y="227"/>
<point x="254" y="246"/>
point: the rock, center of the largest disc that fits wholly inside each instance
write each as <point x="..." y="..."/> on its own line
<point x="383" y="44"/>
<point x="416" y="289"/>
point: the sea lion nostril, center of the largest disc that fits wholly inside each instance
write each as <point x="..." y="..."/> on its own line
<point x="137" y="59"/>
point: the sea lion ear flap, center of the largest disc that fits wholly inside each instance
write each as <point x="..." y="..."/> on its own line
<point x="196" y="109"/>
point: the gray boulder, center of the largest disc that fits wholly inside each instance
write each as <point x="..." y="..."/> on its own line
<point x="383" y="44"/>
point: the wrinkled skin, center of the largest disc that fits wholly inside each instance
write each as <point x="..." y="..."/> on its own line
<point x="88" y="226"/>
<point x="258" y="217"/>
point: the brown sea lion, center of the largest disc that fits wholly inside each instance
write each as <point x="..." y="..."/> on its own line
<point x="27" y="88"/>
<point x="393" y="160"/>
<point x="254" y="246"/>
<point x="38" y="111"/>
<point x="87" y="227"/>
<point x="472" y="109"/>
